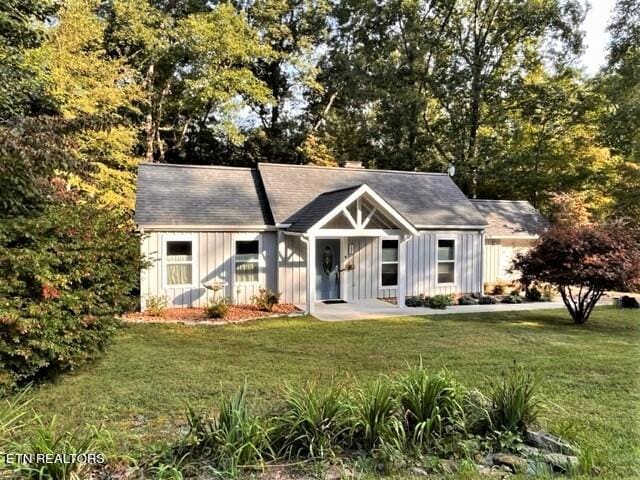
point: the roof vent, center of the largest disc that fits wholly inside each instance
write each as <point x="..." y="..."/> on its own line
<point x="353" y="164"/>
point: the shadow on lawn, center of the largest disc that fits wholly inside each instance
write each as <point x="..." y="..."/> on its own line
<point x="604" y="320"/>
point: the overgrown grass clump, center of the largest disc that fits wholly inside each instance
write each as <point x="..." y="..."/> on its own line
<point x="388" y="420"/>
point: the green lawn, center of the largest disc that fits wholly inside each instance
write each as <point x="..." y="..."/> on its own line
<point x="590" y="374"/>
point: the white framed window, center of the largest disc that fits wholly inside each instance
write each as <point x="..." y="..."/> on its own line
<point x="180" y="254"/>
<point x="446" y="261"/>
<point x="247" y="259"/>
<point x="388" y="262"/>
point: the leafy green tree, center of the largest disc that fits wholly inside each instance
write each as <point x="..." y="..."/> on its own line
<point x="425" y="84"/>
<point x="620" y="127"/>
<point x="86" y="84"/>
<point x="195" y="62"/>
<point x="549" y="142"/>
<point x="22" y="28"/>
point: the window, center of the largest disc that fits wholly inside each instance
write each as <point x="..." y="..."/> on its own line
<point x="247" y="261"/>
<point x="179" y="262"/>
<point x="446" y="261"/>
<point x="389" y="263"/>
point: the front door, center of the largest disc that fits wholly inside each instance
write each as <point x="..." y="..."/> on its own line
<point x="327" y="269"/>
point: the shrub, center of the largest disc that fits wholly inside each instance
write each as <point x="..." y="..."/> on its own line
<point x="629" y="302"/>
<point x="312" y="422"/>
<point x="232" y="439"/>
<point x="467" y="300"/>
<point x="548" y="293"/>
<point x="266" y="299"/>
<point x="582" y="262"/>
<point x="439" y="302"/>
<point x="515" y="292"/>
<point x="49" y="441"/>
<point x="12" y="418"/>
<point x="487" y="300"/>
<point x="373" y="418"/>
<point x="430" y="405"/>
<point x="67" y="273"/>
<point x="216" y="308"/>
<point x="515" y="402"/>
<point x="477" y="416"/>
<point x="512" y="299"/>
<point x="156" y="305"/>
<point x="498" y="289"/>
<point x="415" y="301"/>
<point x="533" y="294"/>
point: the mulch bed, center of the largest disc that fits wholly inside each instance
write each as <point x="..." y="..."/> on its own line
<point x="236" y="314"/>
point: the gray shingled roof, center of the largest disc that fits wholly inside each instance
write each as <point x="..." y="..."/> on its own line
<point x="199" y="195"/>
<point x="319" y="207"/>
<point x="422" y="198"/>
<point x="511" y="218"/>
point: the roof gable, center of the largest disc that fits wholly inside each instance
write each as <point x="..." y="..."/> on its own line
<point x="318" y="213"/>
<point x="425" y="200"/>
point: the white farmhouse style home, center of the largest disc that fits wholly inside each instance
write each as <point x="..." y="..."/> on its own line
<point x="315" y="234"/>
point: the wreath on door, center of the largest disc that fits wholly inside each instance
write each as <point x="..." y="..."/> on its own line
<point x="327" y="260"/>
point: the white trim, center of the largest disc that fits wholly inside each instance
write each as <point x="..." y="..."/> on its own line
<point x="512" y="237"/>
<point x="451" y="227"/>
<point x="454" y="261"/>
<point x="185" y="237"/>
<point x="353" y="197"/>
<point x="397" y="262"/>
<point x="248" y="237"/>
<point x="206" y="228"/>
<point x="347" y="214"/>
<point x="346" y="232"/>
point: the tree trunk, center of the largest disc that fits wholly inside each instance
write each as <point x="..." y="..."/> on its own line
<point x="582" y="304"/>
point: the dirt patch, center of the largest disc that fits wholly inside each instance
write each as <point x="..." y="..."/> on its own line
<point x="236" y="314"/>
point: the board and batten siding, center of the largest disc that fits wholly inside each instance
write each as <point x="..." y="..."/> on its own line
<point x="363" y="282"/>
<point x="213" y="262"/>
<point x="292" y="269"/>
<point x="499" y="253"/>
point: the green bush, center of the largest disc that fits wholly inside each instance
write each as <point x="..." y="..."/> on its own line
<point x="156" y="305"/>
<point x="629" y="302"/>
<point x="515" y="401"/>
<point x="439" y="302"/>
<point x="431" y="405"/>
<point x="233" y="439"/>
<point x="48" y="440"/>
<point x="415" y="301"/>
<point x="312" y="422"/>
<point x="67" y="274"/>
<point x="487" y="300"/>
<point x="533" y="294"/>
<point x="467" y="300"/>
<point x="216" y="308"/>
<point x="266" y="299"/>
<point x="373" y="417"/>
<point x="512" y="299"/>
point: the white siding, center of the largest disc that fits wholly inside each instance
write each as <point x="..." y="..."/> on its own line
<point x="214" y="261"/>
<point x="292" y="269"/>
<point x="498" y="257"/>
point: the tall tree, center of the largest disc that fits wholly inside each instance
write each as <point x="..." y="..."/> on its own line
<point x="195" y="63"/>
<point x="428" y="79"/>
<point x="22" y="28"/>
<point x="620" y="81"/>
<point x="88" y="85"/>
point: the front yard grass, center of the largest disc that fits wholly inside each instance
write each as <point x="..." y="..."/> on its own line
<point x="590" y="375"/>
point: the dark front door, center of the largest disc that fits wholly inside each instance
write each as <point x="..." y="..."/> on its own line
<point x="327" y="268"/>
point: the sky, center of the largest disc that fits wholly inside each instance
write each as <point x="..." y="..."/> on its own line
<point x="596" y="36"/>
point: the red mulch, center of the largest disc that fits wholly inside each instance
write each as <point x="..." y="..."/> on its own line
<point x="236" y="313"/>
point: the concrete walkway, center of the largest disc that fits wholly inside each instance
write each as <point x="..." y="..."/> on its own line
<point x="373" y="308"/>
